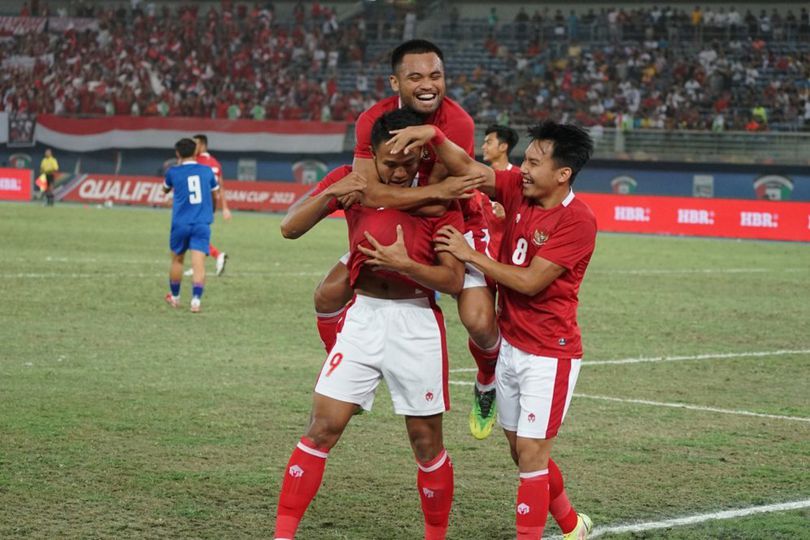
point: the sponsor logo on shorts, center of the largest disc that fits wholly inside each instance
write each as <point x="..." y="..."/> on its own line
<point x="532" y="417"/>
<point x="296" y="471"/>
<point x="523" y="509"/>
<point x="429" y="396"/>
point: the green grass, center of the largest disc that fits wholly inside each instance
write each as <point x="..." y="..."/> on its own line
<point x="122" y="418"/>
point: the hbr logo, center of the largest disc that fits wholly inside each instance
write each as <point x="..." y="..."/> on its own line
<point x="631" y="213"/>
<point x="760" y="219"/>
<point x="691" y="216"/>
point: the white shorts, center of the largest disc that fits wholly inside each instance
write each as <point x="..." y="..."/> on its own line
<point x="533" y="392"/>
<point x="473" y="277"/>
<point x="345" y="258"/>
<point x="401" y="341"/>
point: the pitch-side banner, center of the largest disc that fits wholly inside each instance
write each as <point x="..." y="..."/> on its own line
<point x="15" y="184"/>
<point x="288" y="137"/>
<point x="148" y="191"/>
<point x="729" y="218"/>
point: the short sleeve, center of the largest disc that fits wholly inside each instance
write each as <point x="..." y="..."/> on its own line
<point x="213" y="182"/>
<point x="167" y="181"/>
<point x="362" y="136"/>
<point x="572" y="241"/>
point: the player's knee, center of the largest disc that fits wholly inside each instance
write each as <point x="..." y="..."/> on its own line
<point x="426" y="444"/>
<point x="324" y="432"/>
<point x="479" y="320"/>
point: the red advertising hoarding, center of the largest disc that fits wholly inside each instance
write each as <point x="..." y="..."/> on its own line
<point x="688" y="216"/>
<point x="15" y="184"/>
<point x="148" y="191"/>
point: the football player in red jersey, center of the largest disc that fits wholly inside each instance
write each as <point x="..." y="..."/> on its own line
<point x="499" y="141"/>
<point x="548" y="241"/>
<point x="418" y="80"/>
<point x="392" y="330"/>
<point x="203" y="157"/>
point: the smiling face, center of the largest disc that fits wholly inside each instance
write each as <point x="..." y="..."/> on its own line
<point x="492" y="148"/>
<point x="396" y="169"/>
<point x="542" y="178"/>
<point x="419" y="81"/>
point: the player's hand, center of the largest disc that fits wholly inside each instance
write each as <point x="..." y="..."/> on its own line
<point x="350" y="183"/>
<point x="458" y="187"/>
<point x="226" y="214"/>
<point x="498" y="210"/>
<point x="346" y="201"/>
<point x="448" y="239"/>
<point x="393" y="257"/>
<point x="412" y="137"/>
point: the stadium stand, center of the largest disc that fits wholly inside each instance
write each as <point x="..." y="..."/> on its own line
<point x="712" y="68"/>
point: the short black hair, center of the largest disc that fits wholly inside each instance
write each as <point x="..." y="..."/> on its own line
<point x="202" y="138"/>
<point x="398" y="119"/>
<point x="505" y="134"/>
<point x="185" y="147"/>
<point x="573" y="145"/>
<point x="414" y="46"/>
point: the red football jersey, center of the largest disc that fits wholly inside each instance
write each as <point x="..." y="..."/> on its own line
<point x="207" y="159"/>
<point x="418" y="232"/>
<point x="544" y="324"/>
<point x="456" y="124"/>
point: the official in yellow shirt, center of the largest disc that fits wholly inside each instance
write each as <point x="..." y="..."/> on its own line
<point x="49" y="167"/>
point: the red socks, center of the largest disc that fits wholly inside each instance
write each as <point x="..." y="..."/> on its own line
<point x="302" y="478"/>
<point x="559" y="505"/>
<point x="485" y="359"/>
<point x="212" y="251"/>
<point x="435" y="483"/>
<point x="328" y="327"/>
<point x="532" y="505"/>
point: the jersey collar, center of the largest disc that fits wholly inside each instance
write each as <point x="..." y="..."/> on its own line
<point x="568" y="198"/>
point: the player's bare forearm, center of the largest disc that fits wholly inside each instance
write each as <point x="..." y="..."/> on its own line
<point x="379" y="195"/>
<point x="529" y="280"/>
<point x="302" y="217"/>
<point x="446" y="278"/>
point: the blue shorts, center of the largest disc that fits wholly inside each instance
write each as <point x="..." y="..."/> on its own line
<point x="187" y="236"/>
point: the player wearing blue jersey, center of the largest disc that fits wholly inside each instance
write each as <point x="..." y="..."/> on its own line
<point x="195" y="193"/>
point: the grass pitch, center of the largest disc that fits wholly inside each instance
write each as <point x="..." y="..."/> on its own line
<point x="123" y="418"/>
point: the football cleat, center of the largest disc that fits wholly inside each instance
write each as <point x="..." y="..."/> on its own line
<point x="195" y="305"/>
<point x="189" y="272"/>
<point x="173" y="301"/>
<point x="482" y="415"/>
<point x="582" y="530"/>
<point x="222" y="258"/>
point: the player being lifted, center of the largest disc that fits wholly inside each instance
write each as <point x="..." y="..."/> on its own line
<point x="195" y="192"/>
<point x="392" y="329"/>
<point x="418" y="80"/>
<point x="548" y="241"/>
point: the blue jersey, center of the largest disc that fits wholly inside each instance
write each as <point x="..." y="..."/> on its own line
<point x="193" y="184"/>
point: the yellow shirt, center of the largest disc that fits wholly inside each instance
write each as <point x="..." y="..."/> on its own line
<point x="48" y="165"/>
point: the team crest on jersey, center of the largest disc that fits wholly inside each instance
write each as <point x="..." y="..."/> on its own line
<point x="539" y="238"/>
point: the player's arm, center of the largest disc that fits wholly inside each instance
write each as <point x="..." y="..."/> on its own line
<point x="430" y="200"/>
<point x="529" y="280"/>
<point x="218" y="199"/>
<point x="307" y="212"/>
<point x="226" y="211"/>
<point x="457" y="162"/>
<point x="446" y="277"/>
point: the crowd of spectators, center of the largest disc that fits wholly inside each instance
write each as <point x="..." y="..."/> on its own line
<point x="648" y="67"/>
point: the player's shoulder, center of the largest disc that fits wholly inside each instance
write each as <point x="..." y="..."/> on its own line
<point x="381" y="107"/>
<point x="337" y="173"/>
<point x="579" y="211"/>
<point x="452" y="112"/>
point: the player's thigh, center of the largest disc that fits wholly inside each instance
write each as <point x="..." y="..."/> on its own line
<point x="200" y="237"/>
<point x="180" y="238"/>
<point x="334" y="290"/>
<point x="546" y="387"/>
<point x="415" y="367"/>
<point x="507" y="388"/>
<point x="353" y="369"/>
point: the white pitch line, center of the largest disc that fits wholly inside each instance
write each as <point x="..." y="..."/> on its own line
<point x="701" y="408"/>
<point x="641" y="360"/>
<point x="116" y="275"/>
<point x="700" y="518"/>
<point x="738" y="412"/>
<point x="675" y="271"/>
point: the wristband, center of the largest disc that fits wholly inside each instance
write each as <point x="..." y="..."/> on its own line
<point x="438" y="138"/>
